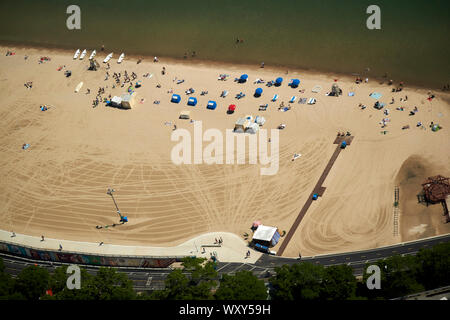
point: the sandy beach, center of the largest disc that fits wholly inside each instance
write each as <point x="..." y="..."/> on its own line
<point x="57" y="187"/>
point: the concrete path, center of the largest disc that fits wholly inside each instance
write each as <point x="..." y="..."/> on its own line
<point x="232" y="249"/>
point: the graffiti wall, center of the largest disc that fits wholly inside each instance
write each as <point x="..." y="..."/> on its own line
<point x="110" y="261"/>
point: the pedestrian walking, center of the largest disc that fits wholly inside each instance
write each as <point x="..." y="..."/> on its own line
<point x="13" y="234"/>
<point x="101" y="243"/>
<point x="60" y="247"/>
<point x="42" y="238"/>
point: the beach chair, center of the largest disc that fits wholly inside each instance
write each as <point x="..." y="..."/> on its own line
<point x="263" y="107"/>
<point x="311" y="101"/>
<point x="316" y="89"/>
<point x="302" y="100"/>
<point x="293" y="99"/>
<point x="275" y="98"/>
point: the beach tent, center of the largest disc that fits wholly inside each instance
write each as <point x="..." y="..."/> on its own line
<point x="116" y="101"/>
<point x="192" y="101"/>
<point x="240" y="125"/>
<point x="185" y="114"/>
<point x="231" y="108"/>
<point x="243" y="78"/>
<point x="278" y="81"/>
<point x="211" y="105"/>
<point x="294" y="83"/>
<point x="266" y="236"/>
<point x="258" y="92"/>
<point x="128" y="100"/>
<point x="252" y="128"/>
<point x="176" y="98"/>
<point x="260" y="120"/>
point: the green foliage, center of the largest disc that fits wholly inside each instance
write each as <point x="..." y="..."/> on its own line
<point x="198" y="287"/>
<point x="338" y="283"/>
<point x="435" y="266"/>
<point x="32" y="282"/>
<point x="242" y="286"/>
<point x="108" y="284"/>
<point x="297" y="282"/>
<point x="398" y="278"/>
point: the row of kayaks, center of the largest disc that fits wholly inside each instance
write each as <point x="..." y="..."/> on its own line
<point x="108" y="57"/>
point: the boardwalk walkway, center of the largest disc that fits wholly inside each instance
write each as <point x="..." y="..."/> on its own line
<point x="318" y="189"/>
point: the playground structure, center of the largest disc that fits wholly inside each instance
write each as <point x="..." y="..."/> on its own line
<point x="436" y="189"/>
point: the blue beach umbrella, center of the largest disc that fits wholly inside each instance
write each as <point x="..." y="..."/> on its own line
<point x="211" y="105"/>
<point x="278" y="81"/>
<point x="258" y="92"/>
<point x="192" y="101"/>
<point x="243" y="78"/>
<point x="175" y="98"/>
<point x="294" y="83"/>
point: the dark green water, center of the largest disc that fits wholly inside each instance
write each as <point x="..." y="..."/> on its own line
<point x="412" y="45"/>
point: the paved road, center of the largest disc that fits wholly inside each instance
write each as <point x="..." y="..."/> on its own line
<point x="153" y="278"/>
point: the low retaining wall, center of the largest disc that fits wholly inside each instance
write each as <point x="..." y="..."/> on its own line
<point x="87" y="258"/>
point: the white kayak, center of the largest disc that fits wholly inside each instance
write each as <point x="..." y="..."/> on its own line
<point x="77" y="53"/>
<point x="92" y="55"/>
<point x="122" y="56"/>
<point x="108" y="57"/>
<point x="83" y="54"/>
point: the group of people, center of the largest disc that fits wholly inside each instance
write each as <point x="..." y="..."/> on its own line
<point x="359" y="80"/>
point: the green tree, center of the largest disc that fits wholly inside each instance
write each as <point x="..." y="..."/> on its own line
<point x="197" y="286"/>
<point x="301" y="281"/>
<point x="107" y="284"/>
<point x="338" y="283"/>
<point x="398" y="278"/>
<point x="435" y="266"/>
<point x="7" y="284"/>
<point x="32" y="282"/>
<point x="244" y="285"/>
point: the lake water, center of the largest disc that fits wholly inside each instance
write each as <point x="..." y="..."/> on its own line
<point x="329" y="36"/>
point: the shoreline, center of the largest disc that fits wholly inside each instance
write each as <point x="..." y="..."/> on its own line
<point x="347" y="76"/>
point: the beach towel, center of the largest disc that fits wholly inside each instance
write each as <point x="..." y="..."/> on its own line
<point x="375" y="95"/>
<point x="316" y="89"/>
<point x="302" y="101"/>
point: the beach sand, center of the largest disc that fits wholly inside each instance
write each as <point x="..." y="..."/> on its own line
<point x="57" y="187"/>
